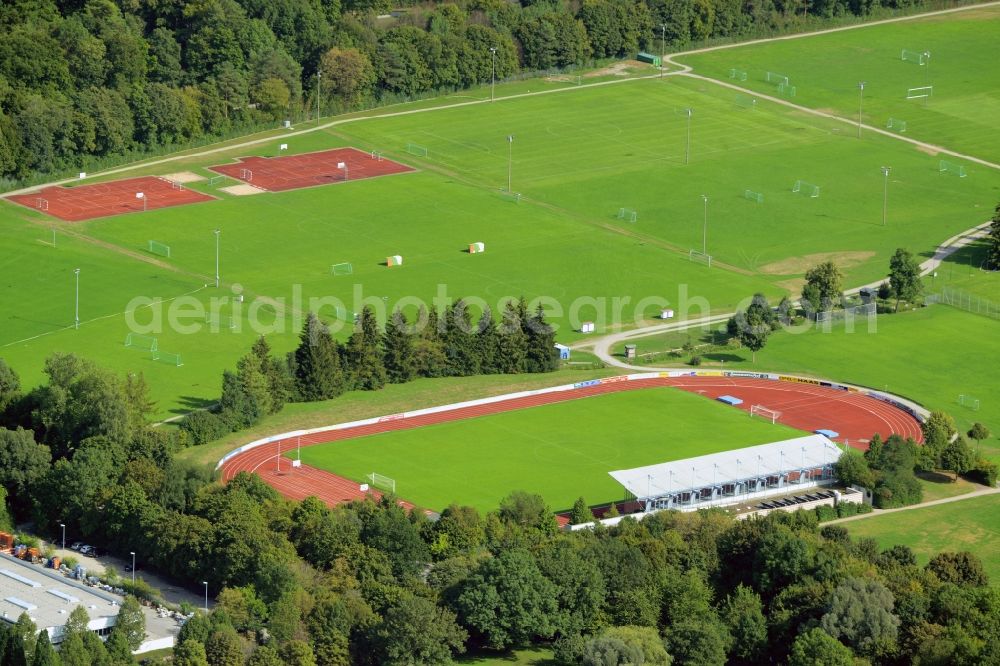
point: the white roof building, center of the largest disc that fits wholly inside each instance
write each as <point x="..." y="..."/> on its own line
<point x="733" y="476"/>
<point x="49" y="597"/>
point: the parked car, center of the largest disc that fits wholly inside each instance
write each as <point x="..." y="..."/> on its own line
<point x="128" y="568"/>
<point x="76" y="545"/>
<point x="88" y="550"/>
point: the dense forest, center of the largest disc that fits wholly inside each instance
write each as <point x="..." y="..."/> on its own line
<point x="85" y="83"/>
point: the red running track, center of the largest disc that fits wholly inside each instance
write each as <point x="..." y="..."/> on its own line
<point x="855" y="416"/>
<point x="86" y="202"/>
<point x="292" y="172"/>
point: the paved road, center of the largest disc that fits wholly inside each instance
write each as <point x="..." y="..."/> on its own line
<point x="923" y="505"/>
<point x="172" y="591"/>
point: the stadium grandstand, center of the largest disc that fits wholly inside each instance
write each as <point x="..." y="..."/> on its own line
<point x="732" y="477"/>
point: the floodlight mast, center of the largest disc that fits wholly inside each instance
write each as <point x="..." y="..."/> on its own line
<point x="319" y="78"/>
<point x="861" y="101"/>
<point x="493" y="73"/>
<point x="510" y="157"/>
<point x="217" y="232"/>
<point x="687" y="148"/>
<point x="76" y="272"/>
<point x="885" y="192"/>
<point x="663" y="45"/>
<point x="704" y="228"/>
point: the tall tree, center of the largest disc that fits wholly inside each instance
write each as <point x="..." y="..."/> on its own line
<point x="274" y="372"/>
<point x="818" y="648"/>
<point x="542" y="355"/>
<point x="190" y="653"/>
<point x="131" y="623"/>
<point x="508" y="601"/>
<point x="460" y="340"/>
<point x="318" y="371"/>
<point x="10" y="386"/>
<point x="365" y="353"/>
<point x="904" y="276"/>
<point x="400" y="357"/>
<point x="488" y="343"/>
<point x="823" y="286"/>
<point x="513" y="345"/>
<point x="993" y="242"/>
<point x="957" y="457"/>
<point x="45" y="654"/>
<point x="743" y="613"/>
<point x="415" y="630"/>
<point x="753" y="327"/>
<point x="224" y="648"/>
<point x="860" y="614"/>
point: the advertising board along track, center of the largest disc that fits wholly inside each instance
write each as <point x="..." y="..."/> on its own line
<point x="854" y="412"/>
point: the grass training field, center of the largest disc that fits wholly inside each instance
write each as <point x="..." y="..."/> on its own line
<point x="578" y="156"/>
<point x="560" y="451"/>
<point x="826" y="69"/>
<point x="931" y="355"/>
<point x="972" y="524"/>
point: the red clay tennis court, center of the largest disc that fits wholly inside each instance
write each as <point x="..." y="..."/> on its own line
<point x="291" y="172"/>
<point x="86" y="202"/>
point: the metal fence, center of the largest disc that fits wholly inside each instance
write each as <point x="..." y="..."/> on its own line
<point x="963" y="300"/>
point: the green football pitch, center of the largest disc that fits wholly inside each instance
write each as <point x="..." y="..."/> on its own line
<point x="826" y="69"/>
<point x="560" y="451"/>
<point x="972" y="525"/>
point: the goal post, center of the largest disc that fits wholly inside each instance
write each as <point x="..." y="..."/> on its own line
<point x="766" y="413"/>
<point x="42" y="204"/>
<point x="775" y="78"/>
<point x="162" y="249"/>
<point x="746" y="101"/>
<point x="805" y="189"/>
<point x="969" y="402"/>
<point x="944" y="166"/>
<point x="343" y="268"/>
<point x="382" y="482"/>
<point x="700" y="257"/>
<point x="756" y="197"/>
<point x="896" y="125"/>
<point x="416" y="149"/>
<point x="920" y="92"/>
<point x="628" y="214"/>
<point x="915" y="57"/>
<point x="738" y="74"/>
<point x="141" y="342"/>
<point x="167" y="358"/>
<point x="786" y="89"/>
<point x="246" y="174"/>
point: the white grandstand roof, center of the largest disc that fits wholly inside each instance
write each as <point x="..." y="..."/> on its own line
<point x="801" y="453"/>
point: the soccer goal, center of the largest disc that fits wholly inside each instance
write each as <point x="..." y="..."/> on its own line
<point x="175" y="185"/>
<point x="215" y="180"/>
<point x="218" y="322"/>
<point x="756" y="197"/>
<point x="162" y="249"/>
<point x="511" y="196"/>
<point x="416" y="149"/>
<point x="246" y="174"/>
<point x="738" y="74"/>
<point x="344" y="268"/>
<point x="916" y="57"/>
<point x="945" y="166"/>
<point x="167" y="358"/>
<point x="786" y="89"/>
<point x="628" y="214"/>
<point x="382" y="482"/>
<point x="969" y="402"/>
<point x="695" y="255"/>
<point x="806" y="189"/>
<point x="140" y="342"/>
<point x="770" y="414"/>
<point x="775" y="78"/>
<point x="896" y="125"/>
<point x="920" y="92"/>
<point x="42" y="204"/>
<point x="746" y="101"/>
<point x="377" y="155"/>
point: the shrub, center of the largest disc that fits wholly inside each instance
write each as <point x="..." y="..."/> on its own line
<point x="204" y="426"/>
<point x="825" y="513"/>
<point x="985" y="472"/>
<point x="695" y="361"/>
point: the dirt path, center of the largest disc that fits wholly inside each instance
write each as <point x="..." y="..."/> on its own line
<point x="924" y="505"/>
